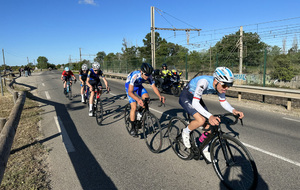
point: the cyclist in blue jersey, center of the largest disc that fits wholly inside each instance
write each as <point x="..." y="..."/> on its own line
<point x="83" y="72"/>
<point x="93" y="81"/>
<point x="134" y="85"/>
<point x="191" y="100"/>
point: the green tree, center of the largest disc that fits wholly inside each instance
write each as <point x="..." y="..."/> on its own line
<point x="283" y="69"/>
<point x="42" y="62"/>
<point x="100" y="57"/>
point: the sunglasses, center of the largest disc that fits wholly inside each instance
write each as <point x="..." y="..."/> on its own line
<point x="146" y="74"/>
<point x="225" y="84"/>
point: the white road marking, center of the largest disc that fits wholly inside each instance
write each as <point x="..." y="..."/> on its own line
<point x="291" y="119"/>
<point x="64" y="135"/>
<point x="43" y="84"/>
<point x="47" y="95"/>
<point x="272" y="154"/>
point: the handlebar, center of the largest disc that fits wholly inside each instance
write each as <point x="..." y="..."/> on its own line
<point x="223" y="118"/>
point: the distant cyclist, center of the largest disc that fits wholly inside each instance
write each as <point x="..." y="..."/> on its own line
<point x="93" y="81"/>
<point x="66" y="76"/>
<point x="191" y="100"/>
<point x="83" y="72"/>
<point x="134" y="85"/>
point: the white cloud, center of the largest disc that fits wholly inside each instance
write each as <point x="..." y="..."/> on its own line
<point x="90" y="2"/>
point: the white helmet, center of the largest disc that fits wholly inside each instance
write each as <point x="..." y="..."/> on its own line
<point x="84" y="67"/>
<point x="67" y="69"/>
<point x="223" y="74"/>
<point x="96" y="65"/>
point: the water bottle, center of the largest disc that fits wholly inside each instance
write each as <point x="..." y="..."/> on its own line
<point x="138" y="116"/>
<point x="203" y="137"/>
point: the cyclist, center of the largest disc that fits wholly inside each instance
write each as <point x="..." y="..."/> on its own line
<point x="134" y="85"/>
<point x="93" y="81"/>
<point x="66" y="75"/>
<point x="164" y="73"/>
<point x="191" y="100"/>
<point x="83" y="72"/>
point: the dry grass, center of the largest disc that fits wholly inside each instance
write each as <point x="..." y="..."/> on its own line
<point x="27" y="167"/>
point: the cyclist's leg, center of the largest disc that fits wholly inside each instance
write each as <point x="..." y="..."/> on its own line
<point x="133" y="131"/>
<point x="92" y="94"/>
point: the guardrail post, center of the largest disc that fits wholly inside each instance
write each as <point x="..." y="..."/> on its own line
<point x="289" y="104"/>
<point x="239" y="96"/>
<point x="2" y="123"/>
<point x="1" y="86"/>
<point x="15" y="95"/>
<point x="4" y="81"/>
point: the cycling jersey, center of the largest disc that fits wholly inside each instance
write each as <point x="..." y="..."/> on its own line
<point x="93" y="76"/>
<point x="83" y="75"/>
<point x="64" y="73"/>
<point x="198" y="86"/>
<point x="135" y="79"/>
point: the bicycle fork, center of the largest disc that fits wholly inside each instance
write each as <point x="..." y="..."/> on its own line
<point x="227" y="153"/>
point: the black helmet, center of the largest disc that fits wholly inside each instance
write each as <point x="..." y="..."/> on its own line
<point x="147" y="69"/>
<point x="164" y="65"/>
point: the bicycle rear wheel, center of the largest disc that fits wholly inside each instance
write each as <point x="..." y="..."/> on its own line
<point x="127" y="117"/>
<point x="233" y="163"/>
<point x="175" y="127"/>
<point x="99" y="112"/>
<point x="152" y="132"/>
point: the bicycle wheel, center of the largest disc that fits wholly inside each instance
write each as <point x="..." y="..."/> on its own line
<point x="70" y="93"/>
<point x="175" y="126"/>
<point x="127" y="117"/>
<point x="233" y="163"/>
<point x="152" y="132"/>
<point x="99" y="112"/>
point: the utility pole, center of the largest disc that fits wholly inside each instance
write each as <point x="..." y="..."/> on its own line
<point x="27" y="61"/>
<point x="3" y="57"/>
<point x="153" y="28"/>
<point x="152" y="38"/>
<point x="80" y="54"/>
<point x="241" y="51"/>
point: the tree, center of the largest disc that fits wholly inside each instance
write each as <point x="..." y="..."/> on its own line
<point x="100" y="57"/>
<point x="42" y="62"/>
<point x="283" y="69"/>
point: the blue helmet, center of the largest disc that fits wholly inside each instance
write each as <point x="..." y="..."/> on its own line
<point x="67" y="69"/>
<point x="223" y="74"/>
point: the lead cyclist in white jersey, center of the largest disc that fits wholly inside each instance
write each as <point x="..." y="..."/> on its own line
<point x="191" y="100"/>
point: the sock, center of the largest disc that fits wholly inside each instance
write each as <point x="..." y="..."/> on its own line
<point x="206" y="148"/>
<point x="91" y="107"/>
<point x="82" y="96"/>
<point x="187" y="130"/>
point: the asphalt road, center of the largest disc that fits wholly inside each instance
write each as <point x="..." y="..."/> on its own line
<point x="83" y="155"/>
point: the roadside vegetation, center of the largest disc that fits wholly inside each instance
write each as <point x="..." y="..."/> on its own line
<point x="27" y="166"/>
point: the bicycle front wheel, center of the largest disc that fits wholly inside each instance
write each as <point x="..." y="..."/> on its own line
<point x="233" y="163"/>
<point x="175" y="127"/>
<point x="99" y="112"/>
<point x="152" y="132"/>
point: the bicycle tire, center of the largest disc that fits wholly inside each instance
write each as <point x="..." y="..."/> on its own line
<point x="70" y="93"/>
<point x="240" y="171"/>
<point x="152" y="132"/>
<point x="127" y="117"/>
<point x="175" y="127"/>
<point x="99" y="112"/>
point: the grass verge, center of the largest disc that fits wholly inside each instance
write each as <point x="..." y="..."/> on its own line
<point x="27" y="166"/>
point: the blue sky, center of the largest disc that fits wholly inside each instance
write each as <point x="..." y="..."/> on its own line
<point x="57" y="29"/>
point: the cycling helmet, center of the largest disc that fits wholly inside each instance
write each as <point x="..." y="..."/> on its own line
<point x="84" y="67"/>
<point x="164" y="65"/>
<point x="147" y="69"/>
<point x="223" y="74"/>
<point x="67" y="69"/>
<point x="96" y="66"/>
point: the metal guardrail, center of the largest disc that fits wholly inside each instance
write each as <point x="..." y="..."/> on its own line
<point x="264" y="91"/>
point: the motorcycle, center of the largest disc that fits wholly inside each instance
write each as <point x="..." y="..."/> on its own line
<point x="170" y="84"/>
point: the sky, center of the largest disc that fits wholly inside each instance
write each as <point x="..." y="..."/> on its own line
<point x="57" y="29"/>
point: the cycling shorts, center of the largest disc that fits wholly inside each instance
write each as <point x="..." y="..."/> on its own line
<point x="139" y="90"/>
<point x="185" y="100"/>
<point x="95" y="83"/>
<point x="67" y="78"/>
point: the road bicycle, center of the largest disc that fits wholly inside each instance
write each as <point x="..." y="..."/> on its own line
<point x="149" y="123"/>
<point x="230" y="159"/>
<point x="68" y="92"/>
<point x="97" y="105"/>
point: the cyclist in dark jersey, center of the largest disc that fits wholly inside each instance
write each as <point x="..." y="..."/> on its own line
<point x="93" y="81"/>
<point x="66" y="75"/>
<point x="83" y="72"/>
